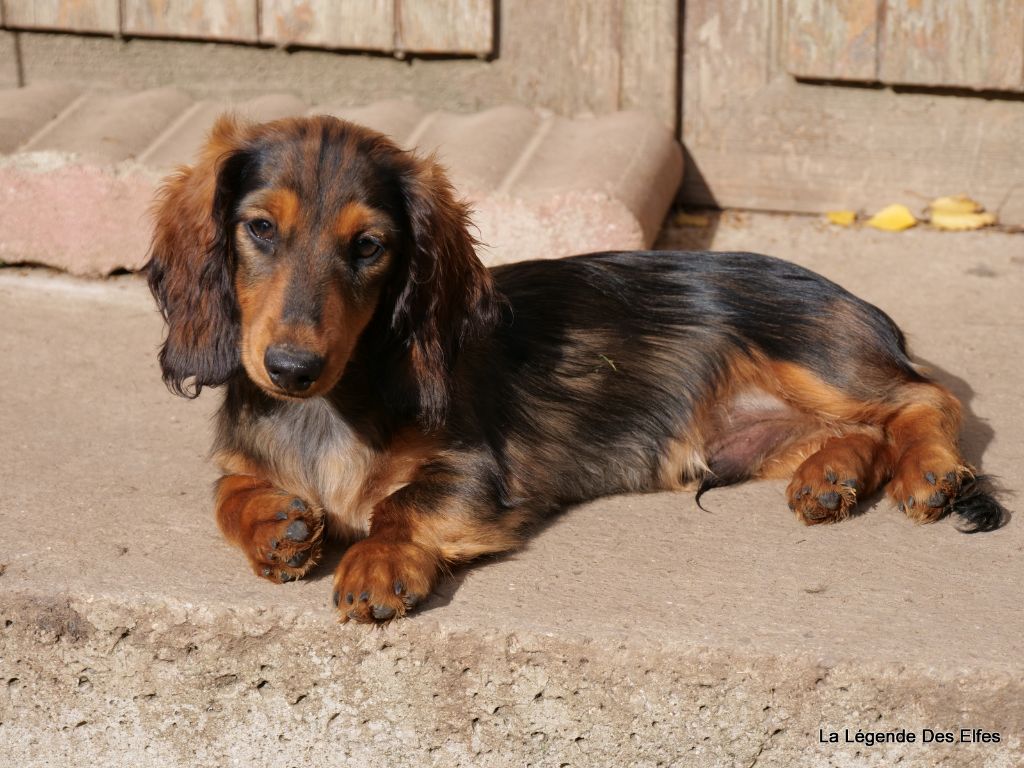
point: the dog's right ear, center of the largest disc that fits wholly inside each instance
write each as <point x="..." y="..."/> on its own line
<point x="191" y="265"/>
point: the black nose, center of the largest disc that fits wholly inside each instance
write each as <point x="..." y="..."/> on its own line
<point x="293" y="370"/>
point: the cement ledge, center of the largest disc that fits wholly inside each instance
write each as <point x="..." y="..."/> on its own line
<point x="136" y="636"/>
<point x="97" y="682"/>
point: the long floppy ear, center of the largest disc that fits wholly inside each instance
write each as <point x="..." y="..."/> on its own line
<point x="448" y="296"/>
<point x="190" y="269"/>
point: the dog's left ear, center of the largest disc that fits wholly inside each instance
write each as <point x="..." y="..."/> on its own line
<point x="190" y="270"/>
<point x="448" y="296"/>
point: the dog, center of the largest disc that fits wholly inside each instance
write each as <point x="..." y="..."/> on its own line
<point x="385" y="388"/>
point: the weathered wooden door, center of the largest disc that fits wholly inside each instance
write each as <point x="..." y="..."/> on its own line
<point x="460" y="27"/>
<point x="942" y="43"/>
<point x="813" y="104"/>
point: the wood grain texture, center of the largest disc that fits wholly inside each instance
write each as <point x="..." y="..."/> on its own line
<point x="566" y="54"/>
<point x="728" y="58"/>
<point x="965" y="44"/>
<point x="445" y="26"/>
<point x="355" y="24"/>
<point x="650" y="58"/>
<point x="831" y="39"/>
<point x="65" y="15"/>
<point x="224" y="20"/>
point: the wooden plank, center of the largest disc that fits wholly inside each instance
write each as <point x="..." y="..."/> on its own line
<point x="65" y="15"/>
<point x="729" y="56"/>
<point x="224" y="20"/>
<point x="831" y="39"/>
<point x="966" y="44"/>
<point x="563" y="55"/>
<point x="651" y="52"/>
<point x="354" y="24"/>
<point x="446" y="26"/>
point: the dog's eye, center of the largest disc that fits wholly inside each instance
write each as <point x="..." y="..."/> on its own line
<point x="262" y="230"/>
<point x="368" y="247"/>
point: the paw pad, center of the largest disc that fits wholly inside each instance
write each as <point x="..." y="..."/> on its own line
<point x="286" y="544"/>
<point x="827" y="498"/>
<point x="925" y="494"/>
<point x="297" y="531"/>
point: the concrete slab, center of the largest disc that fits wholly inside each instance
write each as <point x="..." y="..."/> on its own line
<point x="25" y="111"/>
<point x="634" y="630"/>
<point x="541" y="186"/>
<point x="110" y="127"/>
<point x="10" y="66"/>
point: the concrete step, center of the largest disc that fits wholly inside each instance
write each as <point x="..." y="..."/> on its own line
<point x="24" y="112"/>
<point x="631" y="631"/>
<point x="541" y="186"/>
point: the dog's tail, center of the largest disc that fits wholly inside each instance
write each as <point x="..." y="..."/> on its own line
<point x="977" y="507"/>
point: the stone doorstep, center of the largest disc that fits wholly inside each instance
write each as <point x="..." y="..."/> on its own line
<point x="94" y="682"/>
<point x="633" y="630"/>
<point x="79" y="169"/>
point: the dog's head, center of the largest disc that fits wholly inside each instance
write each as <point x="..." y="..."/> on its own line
<point x="285" y="241"/>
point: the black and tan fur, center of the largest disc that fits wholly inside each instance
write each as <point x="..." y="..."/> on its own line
<point x="382" y="386"/>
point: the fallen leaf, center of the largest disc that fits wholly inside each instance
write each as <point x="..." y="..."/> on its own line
<point x="893" y="218"/>
<point x="841" y="218"/>
<point x="684" y="219"/>
<point x="959" y="222"/>
<point x="959" y="213"/>
<point x="955" y="204"/>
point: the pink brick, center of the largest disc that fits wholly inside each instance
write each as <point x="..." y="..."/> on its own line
<point x="182" y="139"/>
<point x="393" y="117"/>
<point x="86" y="219"/>
<point x="112" y="126"/>
<point x="76" y="194"/>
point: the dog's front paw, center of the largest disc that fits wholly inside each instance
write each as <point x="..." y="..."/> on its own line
<point x="285" y="538"/>
<point x="378" y="581"/>
<point x="822" y="495"/>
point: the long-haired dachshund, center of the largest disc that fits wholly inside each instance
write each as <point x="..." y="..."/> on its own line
<point x="383" y="385"/>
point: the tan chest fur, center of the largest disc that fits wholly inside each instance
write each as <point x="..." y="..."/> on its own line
<point x="309" y="450"/>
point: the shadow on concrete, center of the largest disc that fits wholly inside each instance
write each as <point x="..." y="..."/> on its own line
<point x="688" y="229"/>
<point x="445" y="591"/>
<point x="976" y="434"/>
<point x="330" y="556"/>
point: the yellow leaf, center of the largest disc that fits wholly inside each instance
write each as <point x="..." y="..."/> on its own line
<point x="684" y="219"/>
<point x="842" y="218"/>
<point x="959" y="213"/>
<point x="955" y="204"/>
<point x="893" y="218"/>
<point x="958" y="222"/>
